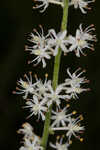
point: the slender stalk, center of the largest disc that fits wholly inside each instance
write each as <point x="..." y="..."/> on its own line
<point x="55" y="77"/>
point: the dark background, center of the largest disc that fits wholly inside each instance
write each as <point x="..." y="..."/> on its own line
<point x="16" y="20"/>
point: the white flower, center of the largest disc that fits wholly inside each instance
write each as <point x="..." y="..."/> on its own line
<point x="87" y="33"/>
<point x="73" y="85"/>
<point x="45" y="3"/>
<point x="41" y="48"/>
<point x="73" y="128"/>
<point x="42" y="88"/>
<point x="58" y="41"/>
<point x="31" y="144"/>
<point x="75" y="80"/>
<point x="54" y="96"/>
<point x="31" y="141"/>
<point x="37" y="107"/>
<point x="27" y="130"/>
<point x="26" y="87"/>
<point x="82" y="4"/>
<point x="60" y="146"/>
<point x="38" y="39"/>
<point x="41" y="54"/>
<point x="60" y="117"/>
<point x="81" y="41"/>
<point x="75" y="90"/>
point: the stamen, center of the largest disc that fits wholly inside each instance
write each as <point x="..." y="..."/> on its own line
<point x="17" y="88"/>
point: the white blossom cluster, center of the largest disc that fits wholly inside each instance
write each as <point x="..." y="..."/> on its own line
<point x="81" y="4"/>
<point x="30" y="140"/>
<point x="46" y="46"/>
<point x="40" y="95"/>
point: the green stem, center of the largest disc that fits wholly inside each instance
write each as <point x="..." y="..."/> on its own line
<point x="55" y="77"/>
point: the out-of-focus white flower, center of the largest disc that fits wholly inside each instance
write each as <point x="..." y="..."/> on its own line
<point x="73" y="128"/>
<point x="37" y="107"/>
<point x="82" y="4"/>
<point x="54" y="96"/>
<point x="73" y="85"/>
<point x="81" y="40"/>
<point x="26" y="87"/>
<point x="60" y="145"/>
<point x="26" y="130"/>
<point x="45" y="3"/>
<point x="31" y="141"/>
<point x="60" y="117"/>
<point x="58" y="41"/>
<point x="33" y="144"/>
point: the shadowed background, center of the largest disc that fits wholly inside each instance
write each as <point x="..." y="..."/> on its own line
<point x="18" y="19"/>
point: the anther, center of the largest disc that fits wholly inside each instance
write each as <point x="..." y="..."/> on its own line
<point x="74" y="112"/>
<point x="34" y="30"/>
<point x="26" y="47"/>
<point x="30" y="72"/>
<point x="84" y="70"/>
<point x="58" y="137"/>
<point x="81" y="139"/>
<point x="70" y="142"/>
<point x="63" y="136"/>
<point x="81" y="117"/>
<point x="25" y="75"/>
<point x="40" y="25"/>
<point x="68" y="105"/>
<point x="46" y="75"/>
<point x="29" y="62"/>
<point x="92" y="25"/>
<point x="88" y="89"/>
<point x="13" y="92"/>
<point x="35" y="76"/>
<point x="87" y="81"/>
